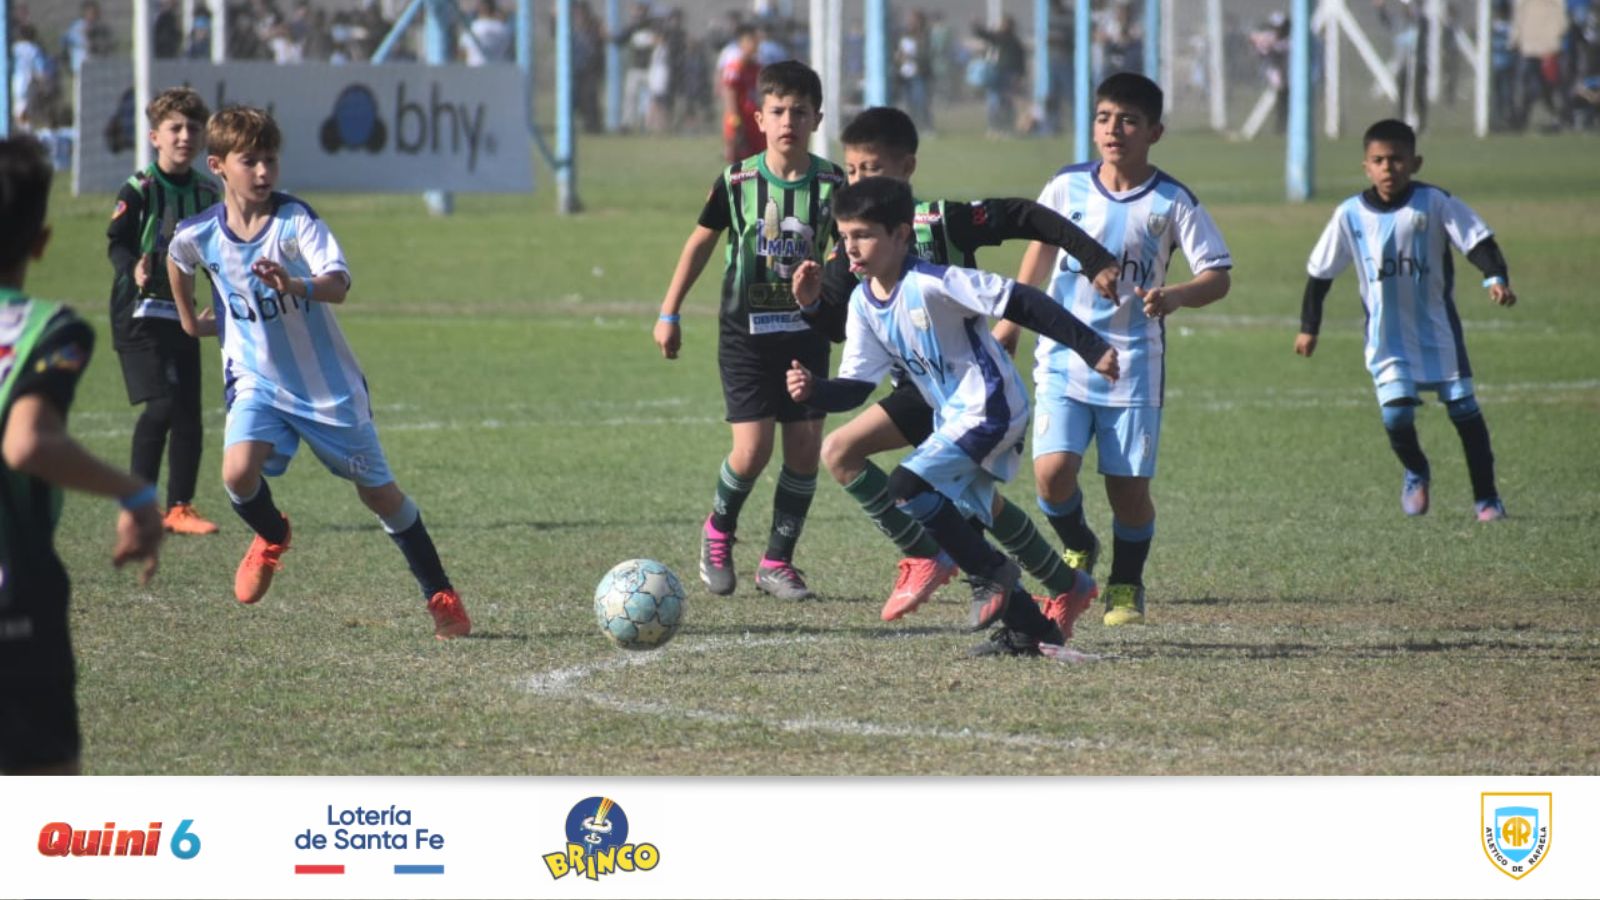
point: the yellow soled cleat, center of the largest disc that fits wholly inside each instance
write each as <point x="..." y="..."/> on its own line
<point x="1124" y="604"/>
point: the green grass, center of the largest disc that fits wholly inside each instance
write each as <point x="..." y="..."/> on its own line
<point x="1300" y="623"/>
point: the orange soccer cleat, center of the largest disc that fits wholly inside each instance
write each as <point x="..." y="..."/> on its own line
<point x="449" y="615"/>
<point x="183" y="518"/>
<point x="254" y="576"/>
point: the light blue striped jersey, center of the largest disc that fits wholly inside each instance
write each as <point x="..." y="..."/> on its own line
<point x="283" y="351"/>
<point x="1141" y="228"/>
<point x="935" y="329"/>
<point x="1407" y="280"/>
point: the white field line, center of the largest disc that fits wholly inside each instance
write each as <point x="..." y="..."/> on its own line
<point x="568" y="683"/>
<point x="1542" y="393"/>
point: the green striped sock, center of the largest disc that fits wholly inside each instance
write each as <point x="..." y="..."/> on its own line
<point x="790" y="503"/>
<point x="1016" y="532"/>
<point x="871" y="490"/>
<point x="732" y="491"/>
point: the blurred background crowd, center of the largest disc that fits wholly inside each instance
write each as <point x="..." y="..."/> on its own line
<point x="681" y="65"/>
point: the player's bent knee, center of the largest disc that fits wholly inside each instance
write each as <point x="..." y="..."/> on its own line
<point x="1462" y="409"/>
<point x="1399" y="415"/>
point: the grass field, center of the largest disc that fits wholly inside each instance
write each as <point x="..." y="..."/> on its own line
<point x="1300" y="623"/>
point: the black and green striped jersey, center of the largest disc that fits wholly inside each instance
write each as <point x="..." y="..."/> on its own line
<point x="149" y="207"/>
<point x="44" y="348"/>
<point x="949" y="233"/>
<point x="773" y="225"/>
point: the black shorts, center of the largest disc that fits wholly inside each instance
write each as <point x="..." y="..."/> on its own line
<point x="909" y="413"/>
<point x="755" y="375"/>
<point x="162" y="363"/>
<point x="38" y="713"/>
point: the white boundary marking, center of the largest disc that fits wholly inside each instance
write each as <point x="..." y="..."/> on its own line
<point x="568" y="683"/>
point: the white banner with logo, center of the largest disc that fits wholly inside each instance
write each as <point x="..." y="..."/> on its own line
<point x="799" y="837"/>
<point x="401" y="128"/>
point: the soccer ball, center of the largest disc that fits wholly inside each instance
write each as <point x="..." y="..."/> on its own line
<point x="639" y="604"/>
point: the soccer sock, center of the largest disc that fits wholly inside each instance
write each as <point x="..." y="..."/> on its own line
<point x="1131" y="546"/>
<point x="955" y="536"/>
<point x="1399" y="422"/>
<point x="150" y="438"/>
<point x="871" y="490"/>
<point x="1024" y="615"/>
<point x="732" y="491"/>
<point x="1474" y="432"/>
<point x="1017" y="534"/>
<point x="405" y="528"/>
<point x="261" y="514"/>
<point x="790" y="503"/>
<point x="1067" y="520"/>
<point x="183" y="455"/>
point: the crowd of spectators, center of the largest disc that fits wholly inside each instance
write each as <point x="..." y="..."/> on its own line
<point x="675" y="75"/>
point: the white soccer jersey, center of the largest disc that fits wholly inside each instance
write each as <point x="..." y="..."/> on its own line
<point x="284" y="351"/>
<point x="1141" y="228"/>
<point x="1407" y="280"/>
<point x="935" y="329"/>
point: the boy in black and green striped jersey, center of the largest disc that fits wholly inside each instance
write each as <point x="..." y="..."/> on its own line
<point x="882" y="141"/>
<point x="161" y="364"/>
<point x="777" y="209"/>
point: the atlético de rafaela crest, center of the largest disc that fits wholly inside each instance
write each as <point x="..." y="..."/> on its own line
<point x="1158" y="224"/>
<point x="1515" y="830"/>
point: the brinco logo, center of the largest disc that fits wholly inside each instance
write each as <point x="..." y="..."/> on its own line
<point x="61" y="839"/>
<point x="597" y="843"/>
<point x="1515" y="831"/>
<point x="354" y="123"/>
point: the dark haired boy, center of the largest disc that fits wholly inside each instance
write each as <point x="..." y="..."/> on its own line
<point x="160" y="363"/>
<point x="931" y="323"/>
<point x="1141" y="214"/>
<point x="44" y="349"/>
<point x="777" y="209"/>
<point x="1398" y="233"/>
<point x="883" y="141"/>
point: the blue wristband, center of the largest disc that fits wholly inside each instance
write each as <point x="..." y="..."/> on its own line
<point x="1493" y="280"/>
<point x="308" y="286"/>
<point x="671" y="318"/>
<point x="145" y="496"/>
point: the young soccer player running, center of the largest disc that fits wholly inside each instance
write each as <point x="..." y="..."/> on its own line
<point x="1398" y="233"/>
<point x="930" y="321"/>
<point x="290" y="376"/>
<point x="160" y="363"/>
<point x="776" y="208"/>
<point x="44" y="349"/>
<point x="882" y="141"/>
<point x="1141" y="214"/>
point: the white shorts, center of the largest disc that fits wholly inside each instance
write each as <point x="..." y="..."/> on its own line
<point x="956" y="475"/>
<point x="1128" y="437"/>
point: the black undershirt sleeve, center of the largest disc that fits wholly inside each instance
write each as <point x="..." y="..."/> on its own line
<point x="1037" y="311"/>
<point x="1015" y="218"/>
<point x="839" y="394"/>
<point x="1311" y="306"/>
<point x="1489" y="260"/>
<point x="123" y="232"/>
<point x="714" y="215"/>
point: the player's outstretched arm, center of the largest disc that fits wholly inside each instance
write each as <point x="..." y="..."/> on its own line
<point x="36" y="443"/>
<point x="1034" y="309"/>
<point x="697" y="251"/>
<point x="183" y="297"/>
<point x="829" y="394"/>
<point x="329" y="287"/>
<point x="1015" y="218"/>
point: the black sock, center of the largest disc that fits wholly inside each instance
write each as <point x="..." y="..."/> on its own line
<point x="1130" y="548"/>
<point x="183" y="456"/>
<point x="955" y="535"/>
<point x="1024" y="615"/>
<point x="1068" y="522"/>
<point x="150" y="439"/>
<point x="1403" y="440"/>
<point x="422" y="557"/>
<point x="1474" y="432"/>
<point x="261" y="514"/>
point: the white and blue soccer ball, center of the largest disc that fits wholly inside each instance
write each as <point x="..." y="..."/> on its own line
<point x="640" y="604"/>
